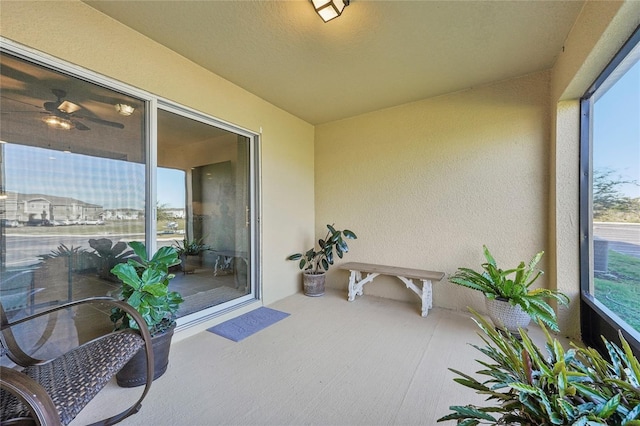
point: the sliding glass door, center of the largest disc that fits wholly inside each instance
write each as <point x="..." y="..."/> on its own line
<point x="88" y="165"/>
<point x="203" y="203"/>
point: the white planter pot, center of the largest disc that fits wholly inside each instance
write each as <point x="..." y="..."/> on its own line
<point x="507" y="317"/>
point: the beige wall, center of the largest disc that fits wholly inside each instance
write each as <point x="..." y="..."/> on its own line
<point x="76" y="33"/>
<point x="426" y="184"/>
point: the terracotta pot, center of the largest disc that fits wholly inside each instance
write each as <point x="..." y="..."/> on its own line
<point x="506" y="316"/>
<point x="313" y="284"/>
<point x="134" y="373"/>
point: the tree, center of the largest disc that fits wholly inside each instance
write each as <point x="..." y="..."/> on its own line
<point x="162" y="212"/>
<point x="606" y="195"/>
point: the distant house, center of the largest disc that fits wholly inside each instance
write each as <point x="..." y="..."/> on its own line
<point x="123" y="214"/>
<point x="175" y="213"/>
<point x="41" y="208"/>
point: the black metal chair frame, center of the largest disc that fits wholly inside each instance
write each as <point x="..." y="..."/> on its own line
<point x="29" y="392"/>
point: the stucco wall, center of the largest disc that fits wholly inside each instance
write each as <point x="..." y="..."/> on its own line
<point x="76" y="33"/>
<point x="426" y="184"/>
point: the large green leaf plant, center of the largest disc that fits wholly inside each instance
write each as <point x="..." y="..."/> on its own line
<point x="514" y="286"/>
<point x="312" y="260"/>
<point x="567" y="387"/>
<point x="145" y="286"/>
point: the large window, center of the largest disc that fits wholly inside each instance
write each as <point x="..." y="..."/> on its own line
<point x="72" y="181"/>
<point x="610" y="144"/>
<point x="82" y="173"/>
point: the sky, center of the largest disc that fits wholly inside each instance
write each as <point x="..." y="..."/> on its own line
<point x="616" y="131"/>
<point x="171" y="188"/>
<point x="105" y="182"/>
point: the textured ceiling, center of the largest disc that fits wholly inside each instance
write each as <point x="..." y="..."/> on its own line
<point x="378" y="54"/>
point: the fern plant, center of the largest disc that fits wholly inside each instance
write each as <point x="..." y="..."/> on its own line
<point x="567" y="387"/>
<point x="514" y="286"/>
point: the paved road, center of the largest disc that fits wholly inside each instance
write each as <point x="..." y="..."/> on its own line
<point x="622" y="237"/>
<point x="23" y="250"/>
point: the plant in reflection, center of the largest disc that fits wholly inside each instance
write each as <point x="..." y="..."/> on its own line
<point x="109" y="255"/>
<point x="189" y="247"/>
<point x="62" y="261"/>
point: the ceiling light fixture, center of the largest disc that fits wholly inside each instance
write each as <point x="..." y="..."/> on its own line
<point x="68" y="107"/>
<point x="59" y="123"/>
<point x="329" y="9"/>
<point x="124" y="109"/>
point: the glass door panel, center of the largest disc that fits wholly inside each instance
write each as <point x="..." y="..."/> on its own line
<point x="203" y="209"/>
<point x="72" y="184"/>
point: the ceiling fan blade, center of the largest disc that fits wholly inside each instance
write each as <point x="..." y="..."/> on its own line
<point x="52" y="106"/>
<point x="101" y="121"/>
<point x="80" y="126"/>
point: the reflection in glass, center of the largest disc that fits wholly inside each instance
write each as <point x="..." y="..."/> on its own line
<point x="72" y="194"/>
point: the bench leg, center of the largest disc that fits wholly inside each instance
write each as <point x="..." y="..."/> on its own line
<point x="427" y="297"/>
<point x="352" y="285"/>
<point x="356" y="283"/>
<point x="423" y="293"/>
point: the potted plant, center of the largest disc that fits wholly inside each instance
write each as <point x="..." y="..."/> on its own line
<point x="145" y="286"/>
<point x="186" y="248"/>
<point x="511" y="302"/>
<point x="566" y="387"/>
<point x="315" y="263"/>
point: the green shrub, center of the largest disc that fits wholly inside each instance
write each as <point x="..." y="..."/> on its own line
<point x="568" y="387"/>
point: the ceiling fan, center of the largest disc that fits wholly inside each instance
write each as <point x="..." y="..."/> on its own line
<point x="63" y="114"/>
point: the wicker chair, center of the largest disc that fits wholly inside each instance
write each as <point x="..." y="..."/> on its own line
<point x="53" y="392"/>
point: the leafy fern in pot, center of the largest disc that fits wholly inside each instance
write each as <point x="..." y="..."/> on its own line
<point x="190" y="247"/>
<point x="312" y="260"/>
<point x="145" y="286"/>
<point x="514" y="286"/>
<point x="567" y="387"/>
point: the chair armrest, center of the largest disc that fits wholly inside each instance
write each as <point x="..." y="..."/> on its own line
<point x="17" y="355"/>
<point x="98" y="299"/>
<point x="31" y="394"/>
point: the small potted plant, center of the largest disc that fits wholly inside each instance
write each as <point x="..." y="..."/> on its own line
<point x="145" y="286"/>
<point x="511" y="302"/>
<point x="315" y="263"/>
<point x="187" y="248"/>
<point x="575" y="386"/>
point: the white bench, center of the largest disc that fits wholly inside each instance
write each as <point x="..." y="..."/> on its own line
<point x="406" y="275"/>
